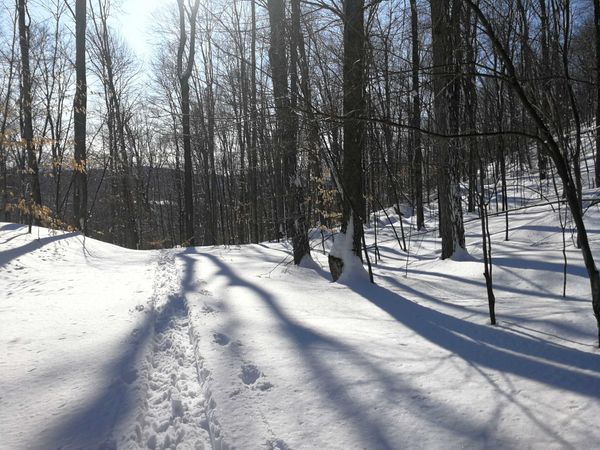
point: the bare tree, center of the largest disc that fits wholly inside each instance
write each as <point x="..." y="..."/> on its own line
<point x="417" y="163"/>
<point x="446" y="19"/>
<point x="184" y="71"/>
<point x="597" y="45"/>
<point x="80" y="113"/>
<point x="287" y="122"/>
<point x="7" y="89"/>
<point x="33" y="185"/>
<point x="551" y="147"/>
<point x="354" y="136"/>
<point x="111" y="62"/>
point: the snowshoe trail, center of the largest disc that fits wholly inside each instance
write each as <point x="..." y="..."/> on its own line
<point x="172" y="413"/>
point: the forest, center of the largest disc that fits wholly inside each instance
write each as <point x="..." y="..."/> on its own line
<point x="270" y="119"/>
<point x="383" y="212"/>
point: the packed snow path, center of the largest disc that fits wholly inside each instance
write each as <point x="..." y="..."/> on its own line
<point x="100" y="337"/>
<point x="172" y="409"/>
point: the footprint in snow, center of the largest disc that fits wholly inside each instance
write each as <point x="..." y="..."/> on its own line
<point x="250" y="377"/>
<point x="250" y="373"/>
<point x="207" y="309"/>
<point x="221" y="339"/>
<point x="277" y="444"/>
<point x="263" y="385"/>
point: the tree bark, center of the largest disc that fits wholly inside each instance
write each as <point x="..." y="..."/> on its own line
<point x="470" y="106"/>
<point x="597" y="41"/>
<point x="486" y="244"/>
<point x="287" y="123"/>
<point x="354" y="134"/>
<point x="35" y="195"/>
<point x="79" y="121"/>
<point x="5" y="109"/>
<point x="417" y="163"/>
<point x="445" y="17"/>
<point x="252" y="153"/>
<point x="189" y="237"/>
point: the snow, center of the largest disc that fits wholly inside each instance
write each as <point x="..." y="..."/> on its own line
<point x="233" y="347"/>
<point x="74" y="320"/>
<point x="353" y="270"/>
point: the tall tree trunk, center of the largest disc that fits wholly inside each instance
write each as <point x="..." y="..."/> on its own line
<point x="211" y="232"/>
<point x="79" y="123"/>
<point x="117" y="124"/>
<point x="445" y="17"/>
<point x="252" y="154"/>
<point x="301" y="244"/>
<point x="597" y="40"/>
<point x="35" y="195"/>
<point x="354" y="135"/>
<point x="189" y="237"/>
<point x="417" y="163"/>
<point x="470" y="105"/>
<point x="5" y="109"/>
<point x="546" y="86"/>
<point x="287" y="124"/>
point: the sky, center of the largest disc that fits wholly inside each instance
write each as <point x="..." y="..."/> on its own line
<point x="135" y="19"/>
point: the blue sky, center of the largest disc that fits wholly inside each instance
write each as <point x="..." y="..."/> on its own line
<point x="135" y="23"/>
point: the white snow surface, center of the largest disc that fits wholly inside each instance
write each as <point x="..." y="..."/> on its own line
<point x="353" y="270"/>
<point x="233" y="347"/>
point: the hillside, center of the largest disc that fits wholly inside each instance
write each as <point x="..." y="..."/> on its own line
<point x="233" y="347"/>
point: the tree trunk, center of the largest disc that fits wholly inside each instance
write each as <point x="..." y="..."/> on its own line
<point x="354" y="135"/>
<point x="79" y="121"/>
<point x="35" y="195"/>
<point x="470" y="105"/>
<point x="487" y="244"/>
<point x="545" y="70"/>
<point x="417" y="163"/>
<point x="300" y="244"/>
<point x="189" y="237"/>
<point x="445" y="17"/>
<point x="287" y="123"/>
<point x="252" y="154"/>
<point x="5" y="109"/>
<point x="597" y="40"/>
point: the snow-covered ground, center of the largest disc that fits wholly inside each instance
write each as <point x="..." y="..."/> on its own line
<point x="72" y="323"/>
<point x="233" y="347"/>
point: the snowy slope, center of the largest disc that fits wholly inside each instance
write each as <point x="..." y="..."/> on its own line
<point x="72" y="319"/>
<point x="411" y="363"/>
<point x="233" y="347"/>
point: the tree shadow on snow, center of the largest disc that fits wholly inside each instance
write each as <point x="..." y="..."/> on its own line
<point x="554" y="268"/>
<point x="315" y="348"/>
<point x="92" y="426"/>
<point x="498" y="287"/>
<point x="567" y="328"/>
<point x="549" y="229"/>
<point x="493" y="347"/>
<point x="12" y="227"/>
<point x="6" y="256"/>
